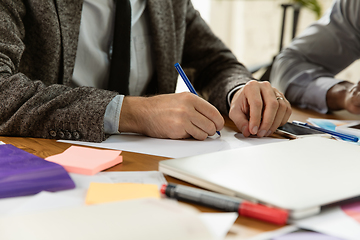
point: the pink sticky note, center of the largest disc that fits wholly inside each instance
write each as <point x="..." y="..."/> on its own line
<point x="84" y="160"/>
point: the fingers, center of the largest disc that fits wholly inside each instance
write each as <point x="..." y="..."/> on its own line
<point x="204" y="119"/>
<point x="240" y="109"/>
<point x="352" y="101"/>
<point x="174" y="116"/>
<point x="199" y="121"/>
<point x="255" y="102"/>
<point x="263" y="117"/>
<point x="246" y="108"/>
<point x="198" y="131"/>
<point x="277" y="111"/>
<point x="209" y="119"/>
<point x="238" y="115"/>
<point x="259" y="109"/>
<point x="195" y="117"/>
<point x="282" y="114"/>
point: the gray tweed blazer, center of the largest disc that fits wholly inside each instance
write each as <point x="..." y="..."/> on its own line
<point x="38" y="43"/>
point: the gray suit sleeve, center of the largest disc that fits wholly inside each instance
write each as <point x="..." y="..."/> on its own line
<point x="35" y="105"/>
<point x="306" y="70"/>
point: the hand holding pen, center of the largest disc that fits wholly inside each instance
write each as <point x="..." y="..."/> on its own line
<point x="174" y="116"/>
<point x="188" y="83"/>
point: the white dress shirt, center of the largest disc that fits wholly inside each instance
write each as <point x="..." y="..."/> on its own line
<point x="92" y="63"/>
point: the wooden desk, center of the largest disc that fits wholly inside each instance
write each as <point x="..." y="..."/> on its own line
<point x="243" y="227"/>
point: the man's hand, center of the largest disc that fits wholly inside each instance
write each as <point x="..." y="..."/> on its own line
<point x="175" y="116"/>
<point x="344" y="95"/>
<point x="259" y="109"/>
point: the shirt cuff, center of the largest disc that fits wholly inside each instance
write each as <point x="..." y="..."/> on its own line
<point x="112" y="115"/>
<point x="315" y="94"/>
<point x="230" y="95"/>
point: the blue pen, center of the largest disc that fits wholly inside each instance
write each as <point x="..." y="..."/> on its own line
<point x="333" y="133"/>
<point x="187" y="82"/>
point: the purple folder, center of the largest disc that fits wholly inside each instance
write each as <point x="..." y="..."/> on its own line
<point x="22" y="173"/>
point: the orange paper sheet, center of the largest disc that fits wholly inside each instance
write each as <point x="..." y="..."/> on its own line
<point x="110" y="192"/>
<point x="84" y="160"/>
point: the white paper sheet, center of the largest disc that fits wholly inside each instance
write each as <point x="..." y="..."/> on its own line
<point x="177" y="148"/>
<point x="47" y="200"/>
<point x="219" y="224"/>
<point x="7" y="205"/>
<point x="332" y="222"/>
<point x="149" y="177"/>
<point x="135" y="219"/>
<point x="83" y="181"/>
<point x="276" y="233"/>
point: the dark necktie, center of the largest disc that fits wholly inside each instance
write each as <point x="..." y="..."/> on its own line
<point x="120" y="59"/>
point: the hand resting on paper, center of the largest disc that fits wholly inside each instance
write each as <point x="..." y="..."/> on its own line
<point x="259" y="109"/>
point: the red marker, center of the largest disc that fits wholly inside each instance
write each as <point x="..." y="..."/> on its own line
<point x="225" y="203"/>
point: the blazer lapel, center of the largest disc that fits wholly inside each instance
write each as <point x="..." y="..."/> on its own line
<point x="163" y="33"/>
<point x="69" y="12"/>
<point x="164" y="43"/>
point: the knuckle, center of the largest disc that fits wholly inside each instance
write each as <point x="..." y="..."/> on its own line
<point x="187" y="96"/>
<point x="176" y="126"/>
<point x="181" y="113"/>
<point x="251" y="83"/>
<point x="266" y="84"/>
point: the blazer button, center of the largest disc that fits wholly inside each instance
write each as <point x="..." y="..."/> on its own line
<point x="52" y="133"/>
<point x="61" y="134"/>
<point x="68" y="135"/>
<point x="76" y="135"/>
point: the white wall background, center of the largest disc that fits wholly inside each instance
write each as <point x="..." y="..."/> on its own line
<point x="251" y="28"/>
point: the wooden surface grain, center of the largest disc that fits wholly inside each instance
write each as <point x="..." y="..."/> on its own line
<point x="243" y="227"/>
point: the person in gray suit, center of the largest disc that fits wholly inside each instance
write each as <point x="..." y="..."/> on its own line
<point x="54" y="69"/>
<point x="306" y="70"/>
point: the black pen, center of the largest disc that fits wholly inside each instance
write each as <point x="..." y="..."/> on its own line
<point x="225" y="203"/>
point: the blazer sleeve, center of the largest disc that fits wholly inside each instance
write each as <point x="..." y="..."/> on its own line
<point x="38" y="107"/>
<point x="216" y="69"/>
<point x="306" y="69"/>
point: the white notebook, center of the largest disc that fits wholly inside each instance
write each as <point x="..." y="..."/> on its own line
<point x="299" y="175"/>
